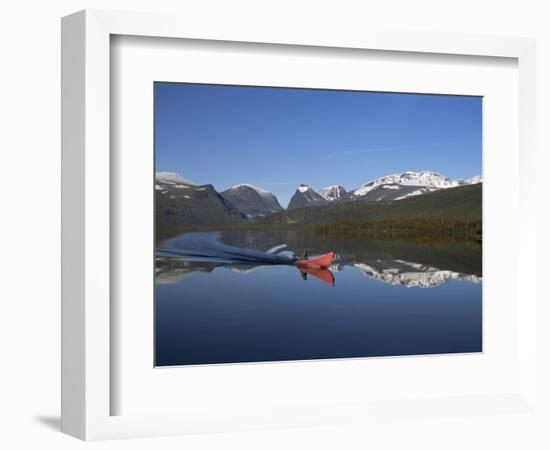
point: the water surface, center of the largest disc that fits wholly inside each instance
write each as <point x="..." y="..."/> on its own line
<point x="236" y="296"/>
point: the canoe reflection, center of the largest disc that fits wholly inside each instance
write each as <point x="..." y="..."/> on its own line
<point x="322" y="274"/>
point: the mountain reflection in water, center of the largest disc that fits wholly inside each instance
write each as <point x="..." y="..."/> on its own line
<point x="245" y="251"/>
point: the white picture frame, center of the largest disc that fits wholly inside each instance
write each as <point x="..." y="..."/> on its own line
<point x="86" y="199"/>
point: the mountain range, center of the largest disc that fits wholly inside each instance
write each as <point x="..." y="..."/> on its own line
<point x="180" y="201"/>
<point x="462" y="202"/>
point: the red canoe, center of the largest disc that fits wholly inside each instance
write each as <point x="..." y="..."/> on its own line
<point x="320" y="262"/>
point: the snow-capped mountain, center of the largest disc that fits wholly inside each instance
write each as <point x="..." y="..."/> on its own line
<point x="172" y="178"/>
<point x="425" y="179"/>
<point x="306" y="196"/>
<point x="251" y="200"/>
<point x="407" y="184"/>
<point x="332" y="192"/>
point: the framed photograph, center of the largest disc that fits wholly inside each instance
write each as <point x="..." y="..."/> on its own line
<point x="267" y="228"/>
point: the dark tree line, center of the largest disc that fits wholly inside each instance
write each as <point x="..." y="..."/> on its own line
<point x="419" y="228"/>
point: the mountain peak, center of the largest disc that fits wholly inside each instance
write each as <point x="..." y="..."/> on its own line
<point x="306" y="196"/>
<point x="425" y="178"/>
<point x="172" y="178"/>
<point x="251" y="186"/>
<point x="252" y="200"/>
<point x="407" y="184"/>
<point x="333" y="192"/>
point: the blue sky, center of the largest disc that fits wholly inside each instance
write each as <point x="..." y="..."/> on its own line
<point x="277" y="138"/>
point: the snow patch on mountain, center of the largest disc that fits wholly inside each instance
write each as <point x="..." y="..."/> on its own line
<point x="407" y="179"/>
<point x="411" y="194"/>
<point x="474" y="180"/>
<point x="303" y="188"/>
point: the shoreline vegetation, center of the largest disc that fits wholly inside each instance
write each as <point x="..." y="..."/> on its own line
<point x="428" y="230"/>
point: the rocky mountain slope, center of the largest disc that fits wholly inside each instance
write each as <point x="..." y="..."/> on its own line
<point x="251" y="200"/>
<point x="332" y="193"/>
<point x="178" y="201"/>
<point x="305" y="196"/>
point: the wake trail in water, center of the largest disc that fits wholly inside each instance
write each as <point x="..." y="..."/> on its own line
<point x="207" y="247"/>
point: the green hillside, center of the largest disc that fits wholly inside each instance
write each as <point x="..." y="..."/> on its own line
<point x="463" y="202"/>
<point x="457" y="203"/>
<point x="448" y="213"/>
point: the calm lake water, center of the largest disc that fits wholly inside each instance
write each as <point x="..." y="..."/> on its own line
<point x="217" y="304"/>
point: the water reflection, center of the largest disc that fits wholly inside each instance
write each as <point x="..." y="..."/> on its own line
<point x="245" y="251"/>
